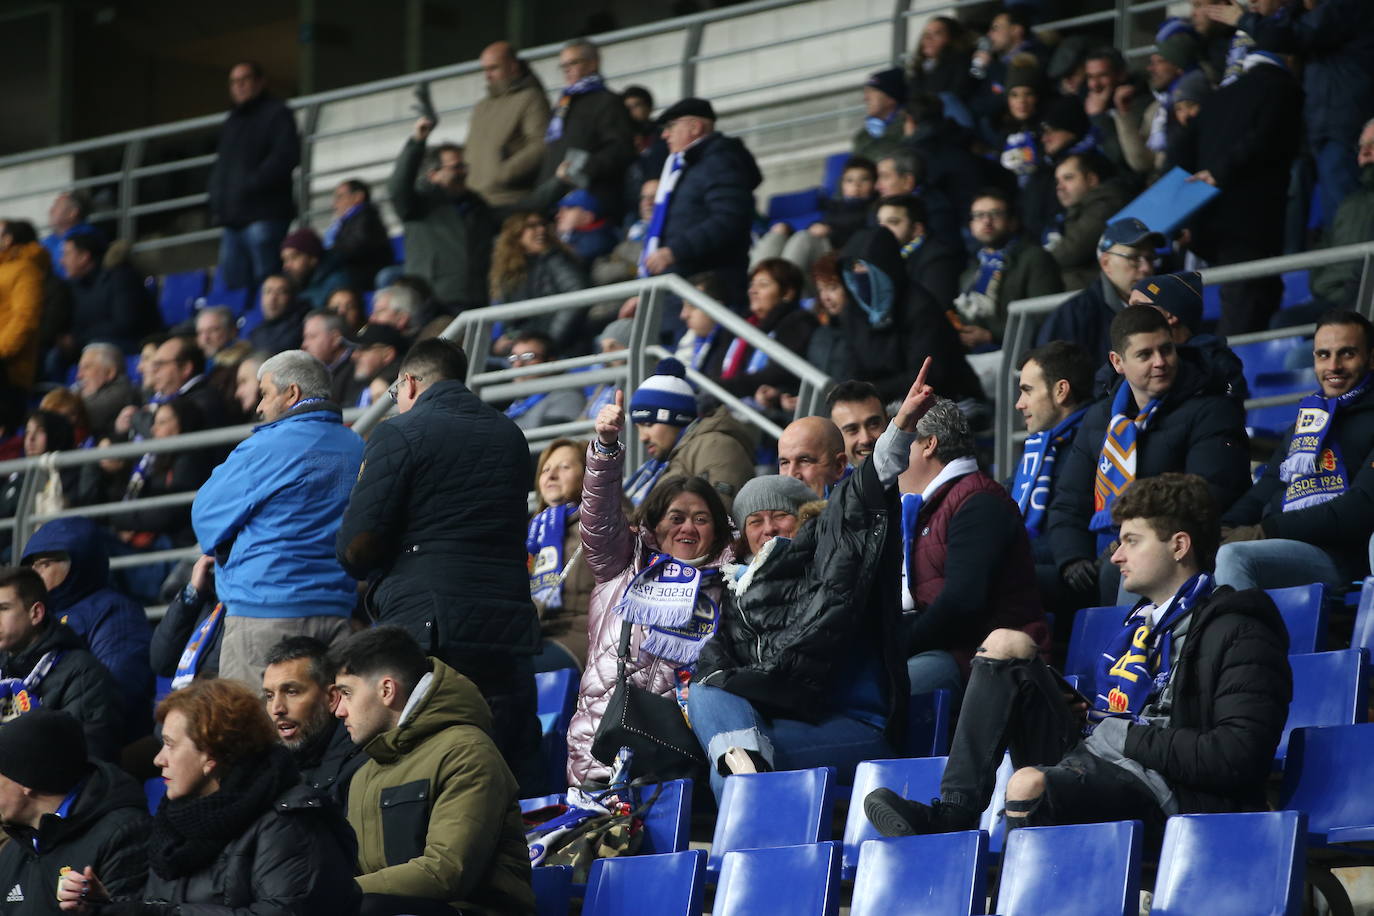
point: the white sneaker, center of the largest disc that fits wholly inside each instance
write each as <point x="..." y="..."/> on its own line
<point x="737" y="761"/>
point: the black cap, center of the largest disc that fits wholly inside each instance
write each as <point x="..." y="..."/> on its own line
<point x="1132" y="233"/>
<point x="689" y="107"/>
<point x="1178" y="294"/>
<point x="44" y="750"/>
<point x="1066" y="113"/>
<point x="379" y="335"/>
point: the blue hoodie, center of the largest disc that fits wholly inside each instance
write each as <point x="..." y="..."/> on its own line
<point x="270" y="512"/>
<point x="114" y="625"/>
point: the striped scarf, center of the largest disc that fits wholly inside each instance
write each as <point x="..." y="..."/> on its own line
<point x="587" y="84"/>
<point x="1117" y="464"/>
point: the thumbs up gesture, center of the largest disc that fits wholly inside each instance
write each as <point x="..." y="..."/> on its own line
<point x="610" y="420"/>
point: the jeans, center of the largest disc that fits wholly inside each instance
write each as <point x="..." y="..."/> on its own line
<point x="1275" y="564"/>
<point x="247" y="254"/>
<point x="935" y="670"/>
<point x="723" y="720"/>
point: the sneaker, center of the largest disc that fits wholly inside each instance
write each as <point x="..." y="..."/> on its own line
<point x="893" y="815"/>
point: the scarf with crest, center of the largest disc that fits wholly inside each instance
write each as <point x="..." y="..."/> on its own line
<point x="1313" y="471"/>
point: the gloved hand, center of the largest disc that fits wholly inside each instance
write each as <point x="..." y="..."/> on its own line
<point x="1080" y="575"/>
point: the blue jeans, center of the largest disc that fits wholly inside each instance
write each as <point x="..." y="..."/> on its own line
<point x="934" y="670"/>
<point x="723" y="720"/>
<point x="249" y="253"/>
<point x="1275" y="564"/>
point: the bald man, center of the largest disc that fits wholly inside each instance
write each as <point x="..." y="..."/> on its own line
<point x="506" y="143"/>
<point x="811" y="449"/>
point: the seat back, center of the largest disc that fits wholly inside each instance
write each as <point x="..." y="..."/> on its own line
<point x="785" y="808"/>
<point x="1327" y="777"/>
<point x="1239" y="864"/>
<point x="952" y="879"/>
<point x="928" y="724"/>
<point x="915" y="778"/>
<point x="236" y="300"/>
<point x="1303" y="608"/>
<point x="796" y="880"/>
<point x="834" y="171"/>
<point x="1329" y="688"/>
<point x="1072" y="870"/>
<point x="992" y="822"/>
<point x="177" y="299"/>
<point x="552" y="889"/>
<point x="1093" y="628"/>
<point x="557" y="691"/>
<point x="667" y="825"/>
<point x="1276" y="419"/>
<point x="1363" y="637"/>
<point x="622" y="886"/>
<point x="798" y="209"/>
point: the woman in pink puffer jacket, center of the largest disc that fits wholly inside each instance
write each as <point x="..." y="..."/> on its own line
<point x="683" y="518"/>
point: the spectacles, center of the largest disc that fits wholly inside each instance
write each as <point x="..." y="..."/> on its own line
<point x="395" y="388"/>
<point x="516" y="359"/>
<point x="1140" y="260"/>
<point x="976" y="215"/>
<point x="566" y="65"/>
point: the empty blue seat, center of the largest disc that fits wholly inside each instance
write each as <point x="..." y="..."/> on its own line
<point x="1230" y="865"/>
<point x="625" y="886"/>
<point x="177" y="300"/>
<point x="798" y="209"/>
<point x="542" y="801"/>
<point x="236" y="300"/>
<point x="398" y="248"/>
<point x="668" y="824"/>
<point x="1328" y="776"/>
<point x="928" y="717"/>
<point x="1363" y="637"/>
<point x="250" y="320"/>
<point x="1297" y="288"/>
<point x="944" y="874"/>
<point x="1329" y="688"/>
<point x="784" y="808"/>
<point x="557" y="695"/>
<point x="1303" y="608"/>
<point x="1275" y="420"/>
<point x="834" y="171"/>
<point x="796" y="880"/>
<point x="1093" y="629"/>
<point x="552" y="889"/>
<point x="1072" y="870"/>
<point x="915" y="778"/>
<point x="1267" y="356"/>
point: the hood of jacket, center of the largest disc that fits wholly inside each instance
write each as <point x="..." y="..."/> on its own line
<point x="882" y="285"/>
<point x="1190" y="382"/>
<point x="450" y="699"/>
<point x="107" y="788"/>
<point x="80" y="539"/>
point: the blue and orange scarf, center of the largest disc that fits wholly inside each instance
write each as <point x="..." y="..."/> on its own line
<point x="1117" y="463"/>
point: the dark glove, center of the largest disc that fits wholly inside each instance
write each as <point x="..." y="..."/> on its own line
<point x="1080" y="575"/>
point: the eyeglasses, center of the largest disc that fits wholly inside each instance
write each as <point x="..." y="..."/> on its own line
<point x="516" y="359"/>
<point x="1140" y="260"/>
<point x="977" y="215"/>
<point x="566" y="65"/>
<point x="395" y="388"/>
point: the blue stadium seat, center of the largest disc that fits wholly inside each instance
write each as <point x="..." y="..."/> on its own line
<point x="928" y="723"/>
<point x="552" y="889"/>
<point x="398" y="248"/>
<point x="1211" y="302"/>
<point x="992" y="822"/>
<point x="667" y="825"/>
<point x="798" y="209"/>
<point x="177" y="301"/>
<point x="1275" y="420"/>
<point x="542" y="801"/>
<point x="915" y="778"/>
<point x="1303" y="608"/>
<point x="796" y="880"/>
<point x="834" y="171"/>
<point x="1363" y="637"/>
<point x="1072" y="870"/>
<point x="153" y="790"/>
<point x="237" y="300"/>
<point x="1268" y="356"/>
<point x="131" y="367"/>
<point x="1327" y="777"/>
<point x="951" y="879"/>
<point x="250" y="320"/>
<point x="1329" y="688"/>
<point x="1230" y="865"/>
<point x="624" y="886"/>
<point x="557" y="697"/>
<point x="1093" y="628"/>
<point x="783" y="808"/>
<point x="1297" y="288"/>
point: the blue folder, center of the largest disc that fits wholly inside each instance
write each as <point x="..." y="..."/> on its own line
<point x="1169" y="203"/>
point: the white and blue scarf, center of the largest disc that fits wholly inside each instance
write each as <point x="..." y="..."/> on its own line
<point x="638" y="485"/>
<point x="667" y="181"/>
<point x="544" y="543"/>
<point x="194" y="654"/>
<point x="331" y="234"/>
<point x="668" y="597"/>
<point x="1035" y="474"/>
<point x="1314" y="472"/>
<point x="525" y="405"/>
<point x="587" y="84"/>
<point x="17" y="695"/>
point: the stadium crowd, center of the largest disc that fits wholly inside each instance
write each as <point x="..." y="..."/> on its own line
<point x="348" y="710"/>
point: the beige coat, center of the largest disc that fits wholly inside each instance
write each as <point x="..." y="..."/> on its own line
<point x="506" y="141"/>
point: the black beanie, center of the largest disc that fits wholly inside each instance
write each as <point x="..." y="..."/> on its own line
<point x="44" y="750"/>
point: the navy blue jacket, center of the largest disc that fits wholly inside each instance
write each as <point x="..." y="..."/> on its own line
<point x="712" y="211"/>
<point x="114" y="626"/>
<point x="1085" y="318"/>
<point x="251" y="177"/>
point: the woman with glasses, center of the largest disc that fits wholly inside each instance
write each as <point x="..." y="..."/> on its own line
<point x="530" y="262"/>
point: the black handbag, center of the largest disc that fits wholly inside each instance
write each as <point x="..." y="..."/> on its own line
<point x="652" y="726"/>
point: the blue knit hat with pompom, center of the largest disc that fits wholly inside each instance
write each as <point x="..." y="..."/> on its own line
<point x="665" y="397"/>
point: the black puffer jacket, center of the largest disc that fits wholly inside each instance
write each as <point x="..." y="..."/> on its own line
<point x="363" y="247"/>
<point x="1193" y="431"/>
<point x="1340" y="526"/>
<point x="106" y="828"/>
<point x="251" y="177"/>
<point x="814" y="603"/>
<point x="437" y="524"/>
<point x="77" y="684"/>
<point x="328" y="767"/>
<point x="1232" y="686"/>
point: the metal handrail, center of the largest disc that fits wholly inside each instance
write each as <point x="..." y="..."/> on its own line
<point x="1023" y="316"/>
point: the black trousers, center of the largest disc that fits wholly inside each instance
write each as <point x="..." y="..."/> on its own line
<point x="1018" y="706"/>
<point x="506" y="682"/>
<point x="396" y="905"/>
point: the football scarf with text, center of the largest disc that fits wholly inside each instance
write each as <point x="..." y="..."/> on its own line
<point x="1314" y="471"/>
<point x="1031" y="488"/>
<point x="668" y="597"/>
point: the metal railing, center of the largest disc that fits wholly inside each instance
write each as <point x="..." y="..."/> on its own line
<point x="133" y="147"/>
<point x="1023" y="319"/>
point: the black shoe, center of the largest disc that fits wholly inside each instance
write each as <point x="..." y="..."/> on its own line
<point x="893" y="815"/>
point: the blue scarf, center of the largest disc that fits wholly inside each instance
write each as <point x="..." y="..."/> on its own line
<point x="1157" y="141"/>
<point x="1117" y="462"/>
<point x="911" y="512"/>
<point x="583" y="86"/>
<point x="876" y="127"/>
<point x="667" y="181"/>
<point x="597" y="398"/>
<point x="544" y="543"/>
<point x="525" y="405"/>
<point x="991" y="263"/>
<point x="17" y="695"/>
<point x="194" y="653"/>
<point x="643" y="479"/>
<point x="1031" y="488"/>
<point x="667" y="596"/>
<point x="331" y="234"/>
<point x="701" y="348"/>
<point x="1315" y="474"/>
<point x="1136" y="664"/>
<point x="874" y="293"/>
<point x="1021" y="155"/>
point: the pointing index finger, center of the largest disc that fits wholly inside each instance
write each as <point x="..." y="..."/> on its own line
<point x="921" y="376"/>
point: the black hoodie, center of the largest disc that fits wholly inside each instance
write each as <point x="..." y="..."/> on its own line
<point x="892" y="325"/>
<point x="77" y="684"/>
<point x="106" y="828"/>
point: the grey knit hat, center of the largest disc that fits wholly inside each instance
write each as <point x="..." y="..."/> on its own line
<point x="773" y="492"/>
<point x="618" y="330"/>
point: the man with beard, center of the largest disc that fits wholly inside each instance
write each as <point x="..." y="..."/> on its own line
<point x="298" y="687"/>
<point x="857" y="409"/>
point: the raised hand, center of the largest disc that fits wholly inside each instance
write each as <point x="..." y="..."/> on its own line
<point x="918" y="400"/>
<point x="422" y="129"/>
<point x="610" y="420"/>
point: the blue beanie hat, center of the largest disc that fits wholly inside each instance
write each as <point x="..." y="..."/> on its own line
<point x="665" y="397"/>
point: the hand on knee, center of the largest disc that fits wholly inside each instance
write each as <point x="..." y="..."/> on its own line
<point x="1024" y="789"/>
<point x="1006" y="643"/>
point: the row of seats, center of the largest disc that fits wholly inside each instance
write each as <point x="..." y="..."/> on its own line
<point x="1221" y="864"/>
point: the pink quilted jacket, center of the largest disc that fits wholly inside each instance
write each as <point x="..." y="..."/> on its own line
<point x="615" y="553"/>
